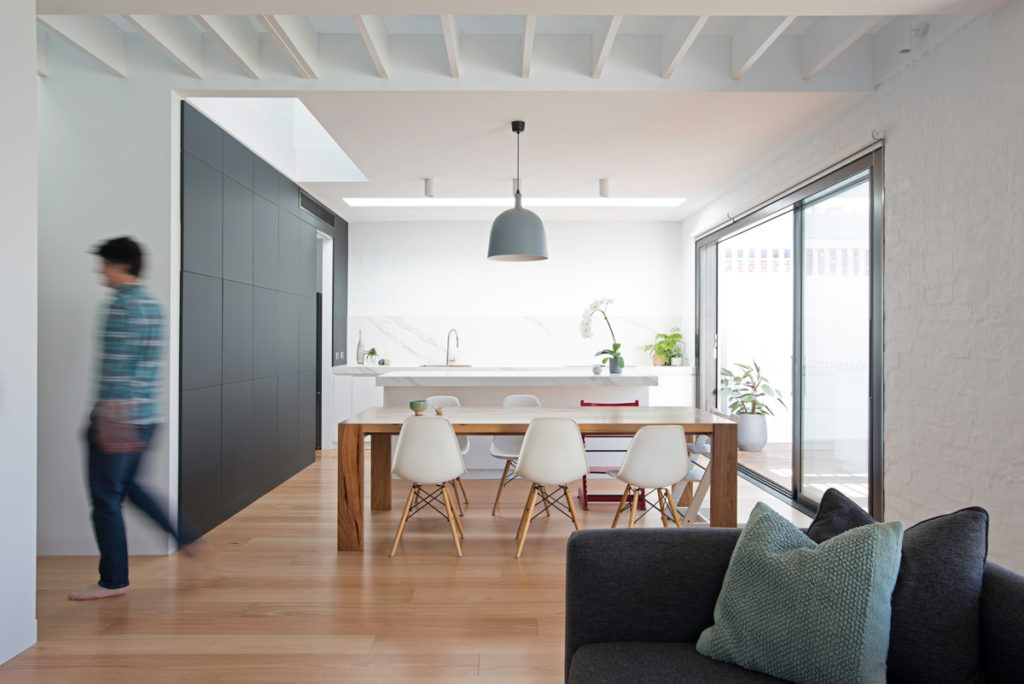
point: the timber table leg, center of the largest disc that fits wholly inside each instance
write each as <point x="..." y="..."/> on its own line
<point x="723" y="475"/>
<point x="350" y="487"/>
<point x="380" y="472"/>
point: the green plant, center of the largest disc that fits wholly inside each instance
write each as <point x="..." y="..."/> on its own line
<point x="371" y="353"/>
<point x="612" y="353"/>
<point x="666" y="345"/>
<point x="746" y="391"/>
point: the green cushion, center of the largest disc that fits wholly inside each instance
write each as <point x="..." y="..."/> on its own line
<point x="806" y="612"/>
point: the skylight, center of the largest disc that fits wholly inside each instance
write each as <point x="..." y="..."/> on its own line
<point x="283" y="132"/>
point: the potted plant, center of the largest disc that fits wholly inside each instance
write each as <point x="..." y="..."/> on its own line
<point x="747" y="393"/>
<point x="611" y="356"/>
<point x="666" y="346"/>
<point x="370" y="355"/>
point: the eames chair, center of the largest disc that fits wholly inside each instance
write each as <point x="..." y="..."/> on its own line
<point x="656" y="459"/>
<point x="552" y="456"/>
<point x="428" y="454"/>
<point x="506" y="447"/>
<point x="443" y="401"/>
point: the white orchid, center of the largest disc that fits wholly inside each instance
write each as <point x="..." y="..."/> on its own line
<point x="597" y="306"/>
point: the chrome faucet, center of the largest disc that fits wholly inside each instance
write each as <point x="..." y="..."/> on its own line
<point x="448" y="358"/>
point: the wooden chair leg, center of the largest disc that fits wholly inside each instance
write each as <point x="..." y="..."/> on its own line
<point x="572" y="506"/>
<point x="632" y="510"/>
<point x="522" y="518"/>
<point x="526" y="520"/>
<point x="462" y="487"/>
<point x="662" y="507"/>
<point x="453" y="496"/>
<point x="672" y="506"/>
<point x="583" y="499"/>
<point x="402" y="521"/>
<point x="501" y="486"/>
<point x="451" y="519"/>
<point x="622" y="507"/>
<point x="547" y="506"/>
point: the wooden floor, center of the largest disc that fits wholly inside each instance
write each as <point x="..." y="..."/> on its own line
<point x="273" y="601"/>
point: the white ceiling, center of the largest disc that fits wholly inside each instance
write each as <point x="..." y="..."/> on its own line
<point x="599" y="91"/>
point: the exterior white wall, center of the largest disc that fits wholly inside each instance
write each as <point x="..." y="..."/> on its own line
<point x="954" y="325"/>
<point x="409" y="283"/>
<point x="18" y="301"/>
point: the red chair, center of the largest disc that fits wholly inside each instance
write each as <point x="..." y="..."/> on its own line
<point x="586" y="498"/>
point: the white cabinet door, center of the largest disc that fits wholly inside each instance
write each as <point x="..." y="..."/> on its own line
<point x="342" y="388"/>
<point x="365" y="393"/>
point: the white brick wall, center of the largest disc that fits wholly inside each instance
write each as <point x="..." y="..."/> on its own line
<point x="954" y="282"/>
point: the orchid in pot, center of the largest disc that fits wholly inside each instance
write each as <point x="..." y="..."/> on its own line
<point x="612" y="356"/>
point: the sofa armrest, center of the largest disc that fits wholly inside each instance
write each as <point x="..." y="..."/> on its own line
<point x="1002" y="625"/>
<point x="651" y="584"/>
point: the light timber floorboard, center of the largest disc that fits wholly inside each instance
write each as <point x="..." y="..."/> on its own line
<point x="272" y="600"/>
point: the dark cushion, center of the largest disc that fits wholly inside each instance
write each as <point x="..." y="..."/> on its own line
<point x="654" y="663"/>
<point x="936" y="603"/>
<point x="836" y="514"/>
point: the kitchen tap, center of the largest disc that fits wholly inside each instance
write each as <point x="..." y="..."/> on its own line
<point x="448" y="358"/>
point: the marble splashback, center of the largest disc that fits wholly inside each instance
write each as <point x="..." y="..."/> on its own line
<point x="502" y="340"/>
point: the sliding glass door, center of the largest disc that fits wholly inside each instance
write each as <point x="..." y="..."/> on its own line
<point x="796" y="287"/>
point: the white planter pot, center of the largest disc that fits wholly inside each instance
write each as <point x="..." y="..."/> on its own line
<point x="751" y="431"/>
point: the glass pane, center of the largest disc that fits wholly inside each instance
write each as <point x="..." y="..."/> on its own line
<point x="836" y="343"/>
<point x="755" y="323"/>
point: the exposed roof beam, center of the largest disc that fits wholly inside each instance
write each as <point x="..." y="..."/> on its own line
<point x="753" y="38"/>
<point x="450" y="29"/>
<point x="96" y="36"/>
<point x="529" y="30"/>
<point x="176" y="36"/>
<point x="297" y="39"/>
<point x="828" y="37"/>
<point x="693" y="8"/>
<point x="238" y="38"/>
<point x="604" y="37"/>
<point x="677" y="42"/>
<point x="375" y="35"/>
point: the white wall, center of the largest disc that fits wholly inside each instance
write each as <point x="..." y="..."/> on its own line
<point x="954" y="324"/>
<point x="409" y="283"/>
<point x="105" y="149"/>
<point x="18" y="295"/>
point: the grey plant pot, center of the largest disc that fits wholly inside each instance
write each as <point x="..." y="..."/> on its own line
<point x="751" y="431"/>
<point x="613" y="366"/>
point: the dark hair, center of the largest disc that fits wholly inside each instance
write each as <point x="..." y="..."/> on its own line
<point x="122" y="250"/>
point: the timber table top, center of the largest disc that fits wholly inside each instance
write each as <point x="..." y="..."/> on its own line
<point x="515" y="420"/>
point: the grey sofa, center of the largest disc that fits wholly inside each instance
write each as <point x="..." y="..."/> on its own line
<point x="636" y="601"/>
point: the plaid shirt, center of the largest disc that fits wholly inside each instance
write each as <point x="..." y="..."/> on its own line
<point x="132" y="343"/>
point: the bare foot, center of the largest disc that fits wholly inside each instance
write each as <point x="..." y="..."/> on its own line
<point x="95" y="591"/>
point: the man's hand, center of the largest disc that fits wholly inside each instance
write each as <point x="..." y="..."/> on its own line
<point x="114" y="435"/>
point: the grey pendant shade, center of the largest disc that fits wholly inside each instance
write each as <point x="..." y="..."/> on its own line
<point x="517" y="234"/>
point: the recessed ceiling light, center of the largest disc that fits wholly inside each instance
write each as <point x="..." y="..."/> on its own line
<point x="437" y="202"/>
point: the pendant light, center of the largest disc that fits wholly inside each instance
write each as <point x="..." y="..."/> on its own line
<point x="517" y="234"/>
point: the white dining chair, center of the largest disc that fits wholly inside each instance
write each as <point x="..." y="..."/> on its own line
<point x="444" y="401"/>
<point x="428" y="454"/>
<point x="507" y="447"/>
<point x="551" y="457"/>
<point x="655" y="460"/>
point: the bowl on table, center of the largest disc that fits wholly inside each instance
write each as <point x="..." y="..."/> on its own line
<point x="418" y="406"/>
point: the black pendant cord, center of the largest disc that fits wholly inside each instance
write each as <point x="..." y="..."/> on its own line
<point x="517" y="161"/>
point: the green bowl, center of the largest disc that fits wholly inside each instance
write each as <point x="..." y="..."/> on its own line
<point x="418" y="404"/>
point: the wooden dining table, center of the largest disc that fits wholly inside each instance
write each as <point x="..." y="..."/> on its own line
<point x="381" y="423"/>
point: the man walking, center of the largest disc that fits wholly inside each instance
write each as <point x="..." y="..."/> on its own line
<point x="125" y="414"/>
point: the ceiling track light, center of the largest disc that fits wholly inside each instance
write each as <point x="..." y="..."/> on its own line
<point x="517" y="234"/>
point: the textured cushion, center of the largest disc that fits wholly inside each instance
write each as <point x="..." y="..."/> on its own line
<point x="837" y="513"/>
<point x="936" y="601"/>
<point x="802" y="611"/>
<point x="654" y="663"/>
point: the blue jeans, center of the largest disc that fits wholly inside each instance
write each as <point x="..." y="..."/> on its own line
<point x="111" y="479"/>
